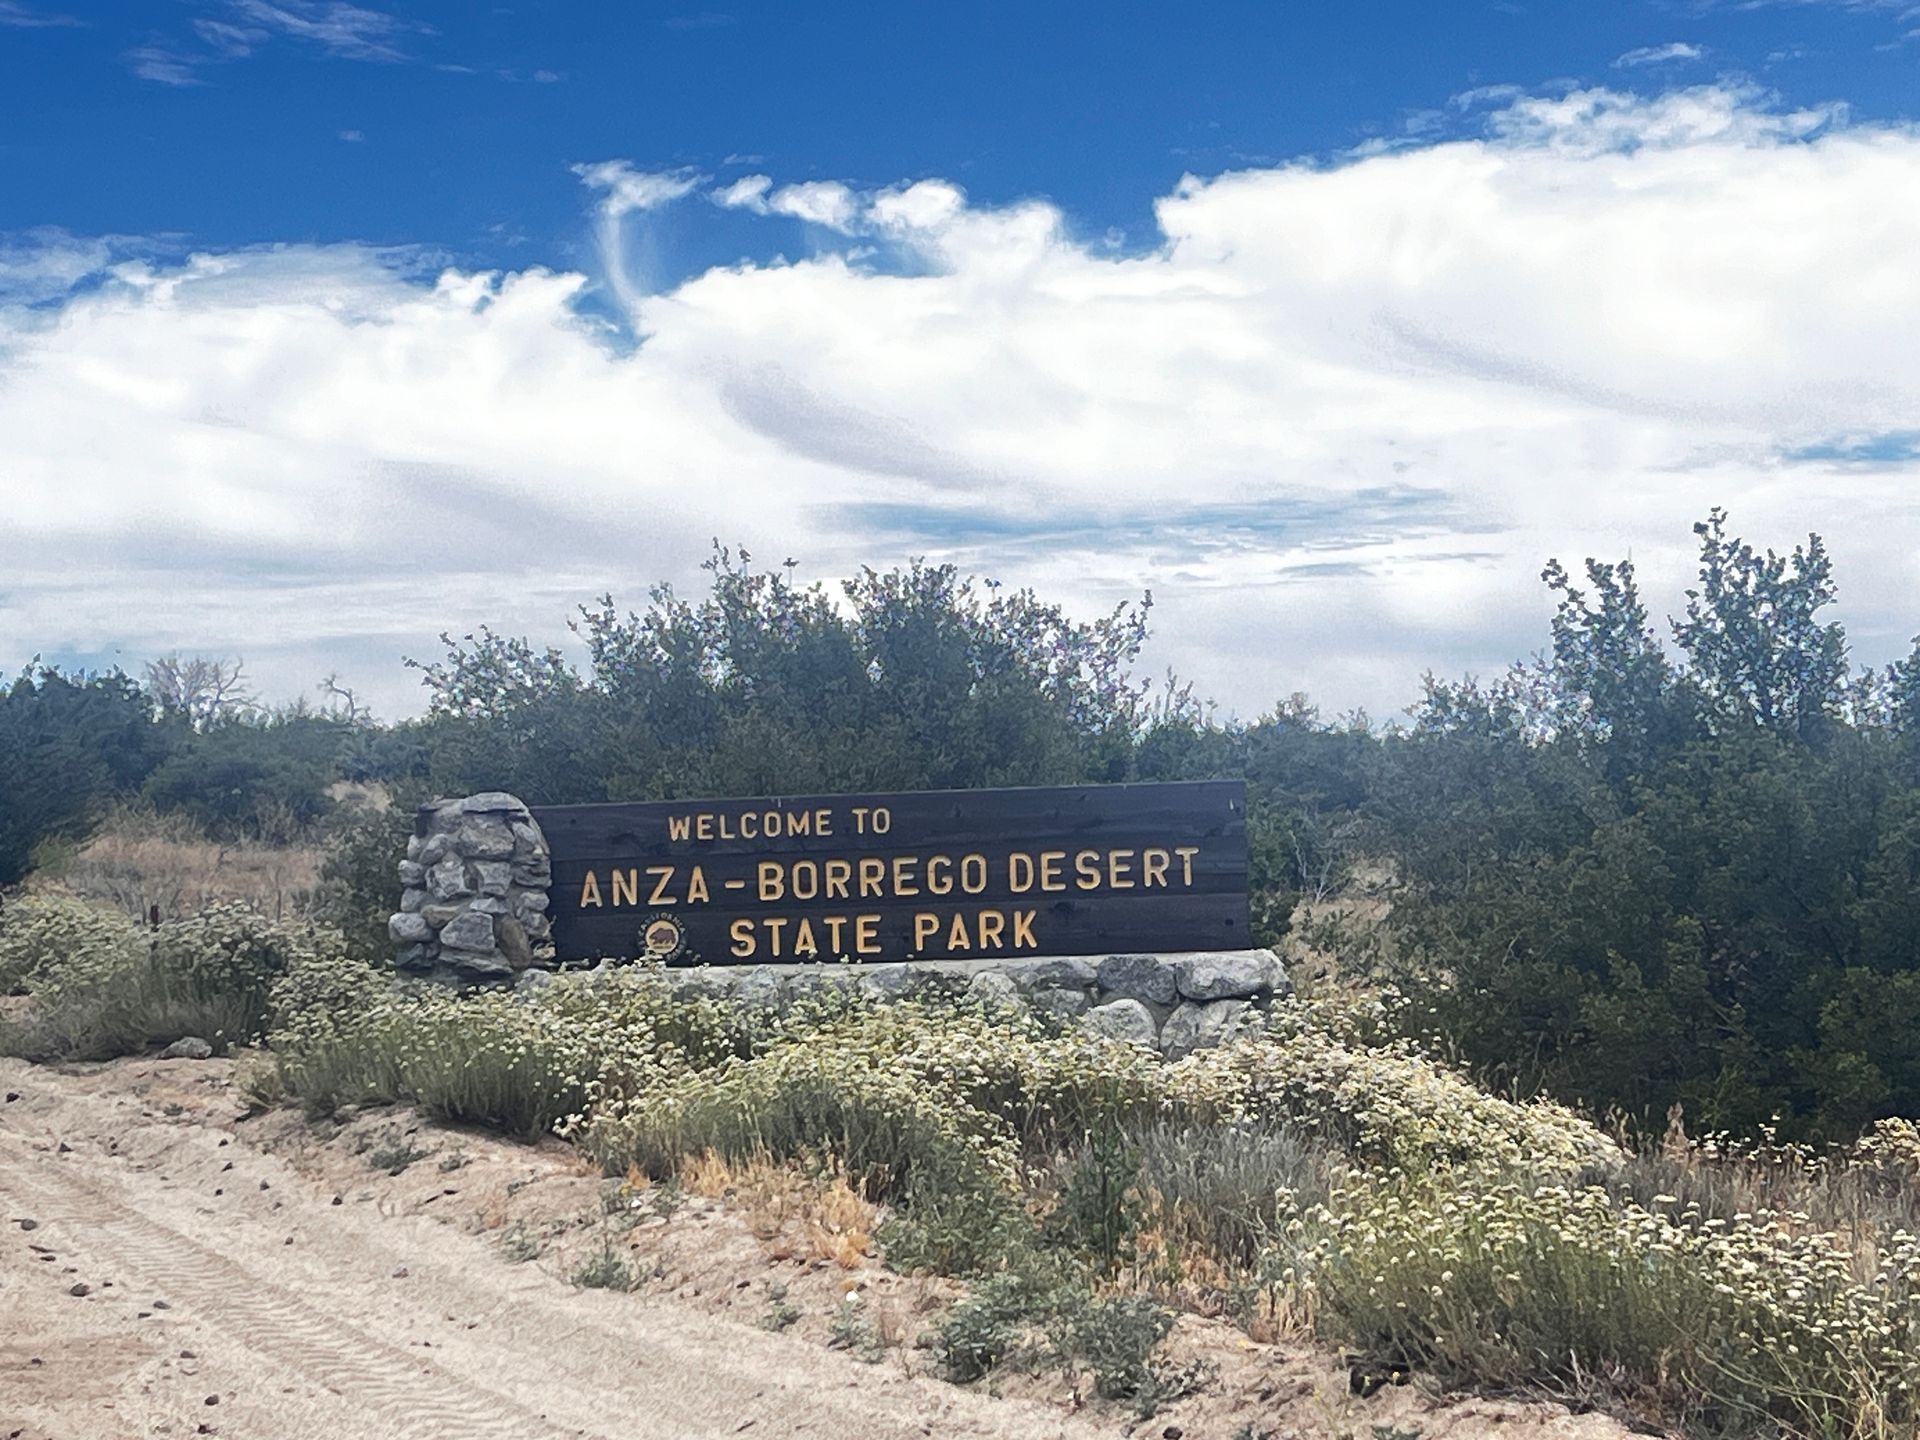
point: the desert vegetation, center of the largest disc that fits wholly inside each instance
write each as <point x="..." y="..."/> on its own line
<point x="1603" y="1083"/>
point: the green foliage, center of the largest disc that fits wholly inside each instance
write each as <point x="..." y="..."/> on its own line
<point x="110" y="988"/>
<point x="362" y="845"/>
<point x="69" y="746"/>
<point x="1635" y="883"/>
<point x="262" y="776"/>
<point x="38" y="933"/>
<point x="605" y="1269"/>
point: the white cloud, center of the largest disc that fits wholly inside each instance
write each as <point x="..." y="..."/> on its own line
<point x="819" y="202"/>
<point x="1335" y="419"/>
<point x="749" y="192"/>
<point x="1660" y="54"/>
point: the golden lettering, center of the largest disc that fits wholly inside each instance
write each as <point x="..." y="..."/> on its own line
<point x="1186" y="854"/>
<point x="835" y="924"/>
<point x="1153" y="868"/>
<point x="664" y="876"/>
<point x="773" y="881"/>
<point x="1050" y="861"/>
<point x="866" y="936"/>
<point x="1023" y="930"/>
<point x="957" y="938"/>
<point x="590" y="891"/>
<point x="803" y="941"/>
<point x="799" y="822"/>
<point x="838" y="872"/>
<point x="904" y="868"/>
<point x="973" y="873"/>
<point x="1086" y="865"/>
<point x="703" y="827"/>
<point x="743" y="942"/>
<point x="697" y="893"/>
<point x="749" y="819"/>
<point x="679" y="826"/>
<point x="873" y="876"/>
<point x="776" y="924"/>
<point x="925" y="927"/>
<point x="626" y="887"/>
<point x="1120" y="864"/>
<point x="992" y="926"/>
<point x="940" y="874"/>
<point x="823" y="822"/>
<point x="808" y="871"/>
<point x="1019" y="872"/>
<point x="859" y="819"/>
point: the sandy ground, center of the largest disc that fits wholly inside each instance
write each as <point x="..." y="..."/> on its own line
<point x="170" y="1265"/>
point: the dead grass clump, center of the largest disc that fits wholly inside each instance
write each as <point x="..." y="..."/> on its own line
<point x="139" y="859"/>
<point x="796" y="1216"/>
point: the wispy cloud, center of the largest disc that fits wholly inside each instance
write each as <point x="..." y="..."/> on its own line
<point x="16" y="16"/>
<point x="1667" y="54"/>
<point x="238" y="29"/>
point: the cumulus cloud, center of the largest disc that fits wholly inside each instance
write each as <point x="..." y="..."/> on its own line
<point x="1335" y="418"/>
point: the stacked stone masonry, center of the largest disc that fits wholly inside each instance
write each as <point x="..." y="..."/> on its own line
<point x="473" y="901"/>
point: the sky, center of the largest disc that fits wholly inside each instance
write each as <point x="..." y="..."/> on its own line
<point x="328" y="327"/>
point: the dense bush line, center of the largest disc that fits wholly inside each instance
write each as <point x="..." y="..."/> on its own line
<point x="1654" y="866"/>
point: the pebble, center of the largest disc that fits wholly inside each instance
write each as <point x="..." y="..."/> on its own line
<point x="80" y="1287"/>
<point x="12" y="1095"/>
<point x="26" y="1224"/>
<point x="400" y="1272"/>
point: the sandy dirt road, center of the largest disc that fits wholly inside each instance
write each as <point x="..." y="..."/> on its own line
<point x="226" y="1293"/>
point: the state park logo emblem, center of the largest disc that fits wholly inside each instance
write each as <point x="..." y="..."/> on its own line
<point x="661" y="938"/>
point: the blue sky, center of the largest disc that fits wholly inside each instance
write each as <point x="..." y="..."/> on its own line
<point x="455" y="125"/>
<point x="324" y="327"/>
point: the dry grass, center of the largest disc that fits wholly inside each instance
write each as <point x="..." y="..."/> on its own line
<point x="137" y="860"/>
<point x="795" y="1215"/>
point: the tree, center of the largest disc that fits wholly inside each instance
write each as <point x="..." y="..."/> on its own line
<point x="202" y="689"/>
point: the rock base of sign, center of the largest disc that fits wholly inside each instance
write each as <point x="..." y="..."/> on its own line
<point x="1174" y="1004"/>
<point x="473" y="901"/>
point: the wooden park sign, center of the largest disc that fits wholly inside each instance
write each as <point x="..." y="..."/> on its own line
<point x="941" y="874"/>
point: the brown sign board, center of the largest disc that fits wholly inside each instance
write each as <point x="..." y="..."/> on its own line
<point x="937" y="874"/>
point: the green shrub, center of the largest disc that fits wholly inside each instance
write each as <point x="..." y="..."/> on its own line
<point x="39" y="933"/>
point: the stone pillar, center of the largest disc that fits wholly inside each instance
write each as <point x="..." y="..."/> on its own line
<point x="473" y="904"/>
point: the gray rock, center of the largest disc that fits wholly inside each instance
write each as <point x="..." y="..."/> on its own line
<point x="492" y="877"/>
<point x="1127" y="1020"/>
<point x="484" y="838"/>
<point x="187" y="1047"/>
<point x="477" y="964"/>
<point x="1199" y="1026"/>
<point x="514" y="944"/>
<point x="886" y="982"/>
<point x="538" y="927"/>
<point x="1069" y="973"/>
<point x="438" y="915"/>
<point x="433" y="851"/>
<point x="448" y="879"/>
<point x="994" y="987"/>
<point x="1138" y="977"/>
<point x="412" y="874"/>
<point x="412" y="900"/>
<point x="1064" y="1004"/>
<point x="527" y="839"/>
<point x="415" y="959"/>
<point x="490" y="905"/>
<point x="533" y="980"/>
<point x="469" y="931"/>
<point x="531" y="901"/>
<point x="1227" y="974"/>
<point x="534" y="874"/>
<point x="414" y="845"/>
<point x="493" y="802"/>
<point x="406" y="929"/>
